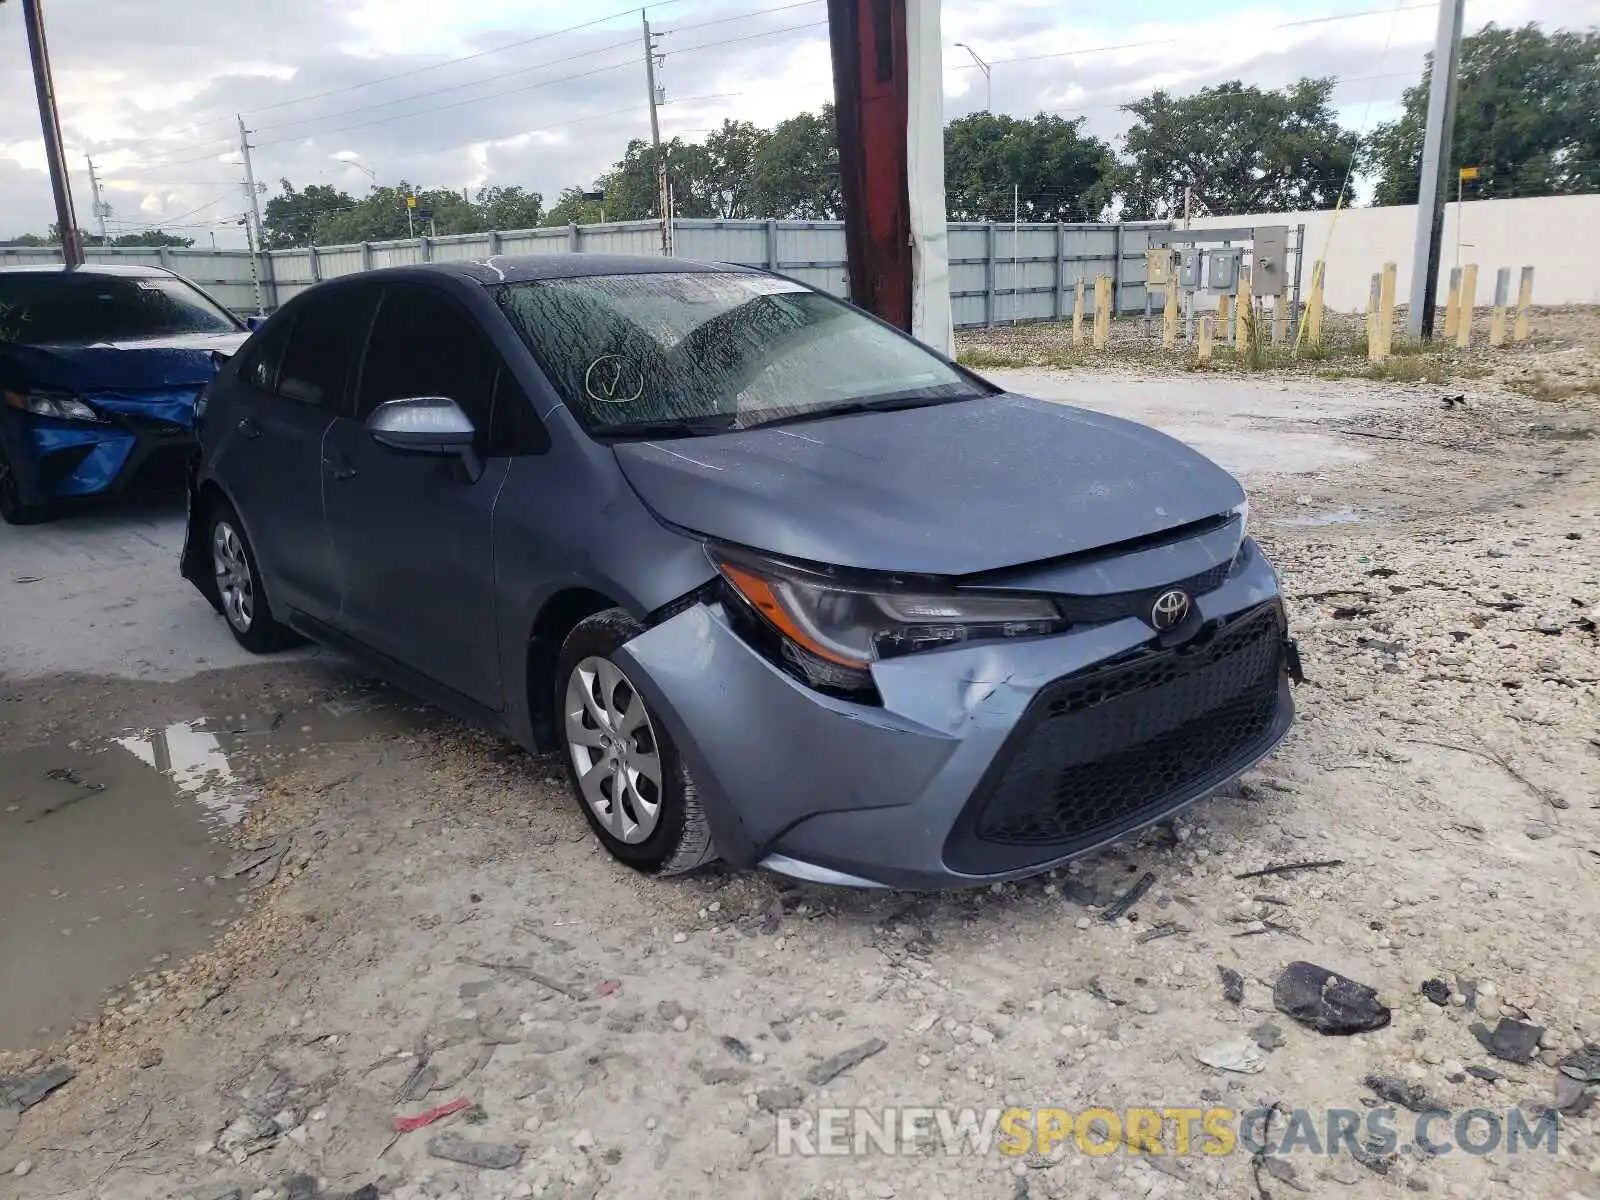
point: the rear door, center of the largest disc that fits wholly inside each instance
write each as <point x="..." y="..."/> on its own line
<point x="292" y="388"/>
<point x="413" y="533"/>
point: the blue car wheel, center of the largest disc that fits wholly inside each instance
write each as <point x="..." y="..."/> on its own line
<point x="12" y="509"/>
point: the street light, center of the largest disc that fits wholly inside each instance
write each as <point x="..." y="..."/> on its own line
<point x="351" y="160"/>
<point x="988" y="78"/>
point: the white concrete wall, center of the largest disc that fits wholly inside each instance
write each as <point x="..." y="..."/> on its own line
<point x="1559" y="236"/>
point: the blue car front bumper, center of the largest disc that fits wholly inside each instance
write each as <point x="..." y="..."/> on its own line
<point x="143" y="439"/>
<point x="983" y="763"/>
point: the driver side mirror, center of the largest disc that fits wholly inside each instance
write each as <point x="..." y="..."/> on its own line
<point x="433" y="425"/>
<point x="254" y="323"/>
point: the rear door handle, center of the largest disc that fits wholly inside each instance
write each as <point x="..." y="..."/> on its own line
<point x="249" y="428"/>
<point x="339" y="470"/>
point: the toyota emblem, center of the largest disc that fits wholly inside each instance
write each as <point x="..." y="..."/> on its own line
<point x="1169" y="610"/>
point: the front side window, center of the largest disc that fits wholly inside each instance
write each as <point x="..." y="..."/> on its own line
<point x="83" y="309"/>
<point x="325" y="345"/>
<point x="703" y="351"/>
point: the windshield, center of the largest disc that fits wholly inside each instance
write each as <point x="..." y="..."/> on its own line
<point x="74" y="309"/>
<point x="697" y="352"/>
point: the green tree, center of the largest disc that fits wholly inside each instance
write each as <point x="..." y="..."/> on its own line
<point x="572" y="208"/>
<point x="726" y="180"/>
<point x="1241" y="149"/>
<point x="508" y="208"/>
<point x="150" y="237"/>
<point x="382" y="216"/>
<point x="293" y="218"/>
<point x="1055" y="171"/>
<point x="795" y="172"/>
<point x="1527" y="116"/>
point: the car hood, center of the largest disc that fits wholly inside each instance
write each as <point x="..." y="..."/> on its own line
<point x="184" y="360"/>
<point x="950" y="489"/>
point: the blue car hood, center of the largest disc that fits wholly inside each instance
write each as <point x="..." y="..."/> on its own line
<point x="950" y="489"/>
<point x="132" y="366"/>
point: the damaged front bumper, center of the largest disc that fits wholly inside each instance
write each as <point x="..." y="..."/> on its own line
<point x="983" y="763"/>
<point x="142" y="441"/>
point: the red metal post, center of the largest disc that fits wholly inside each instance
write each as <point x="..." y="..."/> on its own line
<point x="870" y="76"/>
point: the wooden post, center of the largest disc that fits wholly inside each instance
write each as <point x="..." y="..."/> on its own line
<point x="1225" y="313"/>
<point x="1524" y="305"/>
<point x="1077" y="316"/>
<point x="1203" y="347"/>
<point x="1372" y="316"/>
<point x="1452" y="305"/>
<point x="1102" y="312"/>
<point x="1502" y="296"/>
<point x="1314" y="305"/>
<point x="1169" y="317"/>
<point x="1245" y="331"/>
<point x="1386" y="312"/>
<point x="1280" y="319"/>
<point x="1469" y="298"/>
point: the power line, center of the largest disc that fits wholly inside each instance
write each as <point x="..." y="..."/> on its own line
<point x="455" y="87"/>
<point x="745" y="16"/>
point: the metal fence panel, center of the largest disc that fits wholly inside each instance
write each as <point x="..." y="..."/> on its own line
<point x="999" y="273"/>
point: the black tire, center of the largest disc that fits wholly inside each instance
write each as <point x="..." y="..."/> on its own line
<point x="681" y="838"/>
<point x="255" y="630"/>
<point x="12" y="510"/>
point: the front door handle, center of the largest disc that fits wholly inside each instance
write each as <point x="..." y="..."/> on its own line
<point x="249" y="428"/>
<point x="339" y="470"/>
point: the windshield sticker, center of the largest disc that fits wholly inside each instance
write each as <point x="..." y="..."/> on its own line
<point x="613" y="379"/>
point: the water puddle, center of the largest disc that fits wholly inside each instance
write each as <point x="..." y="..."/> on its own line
<point x="113" y="852"/>
<point x="1342" y="516"/>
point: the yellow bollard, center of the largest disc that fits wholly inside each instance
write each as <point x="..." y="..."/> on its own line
<point x="1452" y="305"/>
<point x="1373" y="293"/>
<point x="1524" y="305"/>
<point x="1314" y="304"/>
<point x="1386" y="286"/>
<point x="1497" y="318"/>
<point x="1077" y="316"/>
<point x="1203" y="347"/>
<point x="1469" y="298"/>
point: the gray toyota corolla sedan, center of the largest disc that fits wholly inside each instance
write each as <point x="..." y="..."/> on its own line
<point x="780" y="584"/>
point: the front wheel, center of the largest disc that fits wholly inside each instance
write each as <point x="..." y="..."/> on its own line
<point x="12" y="510"/>
<point x="625" y="772"/>
<point x="238" y="585"/>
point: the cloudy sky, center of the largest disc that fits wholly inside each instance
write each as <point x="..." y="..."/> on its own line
<point x="507" y="91"/>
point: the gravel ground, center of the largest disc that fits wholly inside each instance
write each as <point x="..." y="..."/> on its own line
<point x="442" y="925"/>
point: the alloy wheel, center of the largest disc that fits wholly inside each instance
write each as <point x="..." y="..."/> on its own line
<point x="234" y="584"/>
<point x="614" y="751"/>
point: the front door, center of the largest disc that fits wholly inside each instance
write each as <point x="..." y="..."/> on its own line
<point x="414" y="533"/>
<point x="290" y="390"/>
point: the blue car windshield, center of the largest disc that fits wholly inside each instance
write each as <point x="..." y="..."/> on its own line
<point x="85" y="309"/>
<point x="708" y="351"/>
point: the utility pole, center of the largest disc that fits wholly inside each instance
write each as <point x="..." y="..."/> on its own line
<point x="253" y="216"/>
<point x="655" y="135"/>
<point x="988" y="76"/>
<point x="1436" y="157"/>
<point x="101" y="209"/>
<point x="50" y="123"/>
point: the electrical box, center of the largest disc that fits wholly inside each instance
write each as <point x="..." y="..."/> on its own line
<point x="1269" y="262"/>
<point x="1189" y="268"/>
<point x="1223" y="272"/>
<point x="1158" y="266"/>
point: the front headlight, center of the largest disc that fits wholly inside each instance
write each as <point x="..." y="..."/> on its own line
<point x="849" y="627"/>
<point x="62" y="405"/>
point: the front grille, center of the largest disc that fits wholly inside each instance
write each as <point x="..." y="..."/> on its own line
<point x="1112" y="748"/>
<point x="152" y="427"/>
<point x="1092" y="610"/>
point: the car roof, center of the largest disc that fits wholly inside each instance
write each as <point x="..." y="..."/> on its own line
<point x="124" y="270"/>
<point x="523" y="268"/>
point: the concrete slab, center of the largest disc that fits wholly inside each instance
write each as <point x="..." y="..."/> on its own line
<point x="99" y="592"/>
<point x="1249" y="427"/>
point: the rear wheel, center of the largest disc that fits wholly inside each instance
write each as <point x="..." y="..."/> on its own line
<point x="238" y="586"/>
<point x="625" y="772"/>
<point x="12" y="510"/>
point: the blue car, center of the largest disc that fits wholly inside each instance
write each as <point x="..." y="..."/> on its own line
<point x="781" y="585"/>
<point x="100" y="367"/>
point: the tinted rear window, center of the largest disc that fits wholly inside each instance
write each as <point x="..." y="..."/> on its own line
<point x="84" y="309"/>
